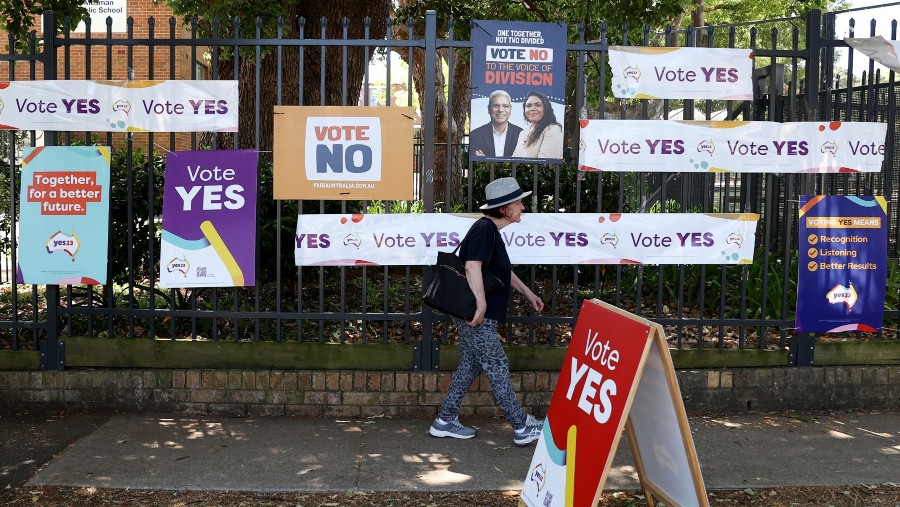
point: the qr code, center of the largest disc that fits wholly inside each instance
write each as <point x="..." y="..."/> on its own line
<point x="201" y="272"/>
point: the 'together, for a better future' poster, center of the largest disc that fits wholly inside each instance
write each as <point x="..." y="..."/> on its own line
<point x="64" y="219"/>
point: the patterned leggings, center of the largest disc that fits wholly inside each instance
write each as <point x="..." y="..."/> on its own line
<point x="480" y="350"/>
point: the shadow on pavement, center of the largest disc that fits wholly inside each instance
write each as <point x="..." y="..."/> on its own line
<point x="29" y="440"/>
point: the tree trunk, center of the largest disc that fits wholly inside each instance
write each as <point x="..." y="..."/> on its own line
<point x="698" y="19"/>
<point x="438" y="176"/>
<point x="449" y="126"/>
<point x="332" y="66"/>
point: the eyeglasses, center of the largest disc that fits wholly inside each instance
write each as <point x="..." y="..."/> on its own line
<point x="501" y="106"/>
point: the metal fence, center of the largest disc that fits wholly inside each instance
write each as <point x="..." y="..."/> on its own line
<point x="701" y="306"/>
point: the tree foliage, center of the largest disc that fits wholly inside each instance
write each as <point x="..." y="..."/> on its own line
<point x="217" y="17"/>
<point x="593" y="16"/>
<point x="20" y="17"/>
<point x="737" y="11"/>
<point x="273" y="18"/>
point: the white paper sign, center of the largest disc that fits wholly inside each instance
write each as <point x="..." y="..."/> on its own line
<point x="540" y="238"/>
<point x="681" y="73"/>
<point x="120" y="106"/>
<point x="99" y="10"/>
<point x="343" y="149"/>
<point x="879" y="49"/>
<point x="731" y="146"/>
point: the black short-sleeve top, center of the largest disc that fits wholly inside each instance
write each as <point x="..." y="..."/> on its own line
<point x="477" y="247"/>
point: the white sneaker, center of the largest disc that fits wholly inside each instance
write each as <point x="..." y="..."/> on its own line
<point x="452" y="429"/>
<point x="528" y="433"/>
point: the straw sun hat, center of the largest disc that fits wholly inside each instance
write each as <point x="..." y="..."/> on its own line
<point x="503" y="191"/>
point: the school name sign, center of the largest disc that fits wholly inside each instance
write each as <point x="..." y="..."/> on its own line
<point x="540" y="238"/>
<point x="120" y="106"/>
<point x="731" y="146"/>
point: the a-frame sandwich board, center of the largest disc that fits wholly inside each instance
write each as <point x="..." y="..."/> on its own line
<point x="617" y="376"/>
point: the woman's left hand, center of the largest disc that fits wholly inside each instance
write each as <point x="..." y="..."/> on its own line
<point x="536" y="302"/>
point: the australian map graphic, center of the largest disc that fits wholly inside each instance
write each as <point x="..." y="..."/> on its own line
<point x="60" y="242"/>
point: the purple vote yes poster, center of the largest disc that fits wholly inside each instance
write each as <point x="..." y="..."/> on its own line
<point x="209" y="219"/>
<point x="843" y="263"/>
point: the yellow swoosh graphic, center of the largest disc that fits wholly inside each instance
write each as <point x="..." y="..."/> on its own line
<point x="570" y="464"/>
<point x="132" y="84"/>
<point x="212" y="235"/>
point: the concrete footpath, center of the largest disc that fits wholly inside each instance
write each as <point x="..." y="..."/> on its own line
<point x="279" y="454"/>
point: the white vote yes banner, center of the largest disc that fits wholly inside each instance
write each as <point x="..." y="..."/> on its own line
<point x="731" y="146"/>
<point x="540" y="238"/>
<point x="120" y="106"/>
<point x="681" y="73"/>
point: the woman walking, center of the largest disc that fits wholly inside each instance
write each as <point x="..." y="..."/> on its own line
<point x="479" y="344"/>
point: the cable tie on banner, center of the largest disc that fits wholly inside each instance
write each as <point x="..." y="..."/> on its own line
<point x="482" y="29"/>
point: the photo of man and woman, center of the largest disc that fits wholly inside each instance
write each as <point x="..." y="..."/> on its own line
<point x="540" y="138"/>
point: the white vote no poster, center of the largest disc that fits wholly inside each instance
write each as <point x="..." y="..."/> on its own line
<point x="344" y="153"/>
<point x="540" y="238"/>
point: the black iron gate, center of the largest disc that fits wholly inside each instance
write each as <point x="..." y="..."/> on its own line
<point x="701" y="306"/>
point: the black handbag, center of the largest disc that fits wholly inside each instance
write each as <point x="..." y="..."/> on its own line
<point x="449" y="290"/>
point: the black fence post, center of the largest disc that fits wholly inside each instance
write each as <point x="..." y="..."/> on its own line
<point x="803" y="345"/>
<point x="813" y="61"/>
<point x="426" y="353"/>
<point x="812" y="82"/>
<point x="52" y="349"/>
<point x="802" y="349"/>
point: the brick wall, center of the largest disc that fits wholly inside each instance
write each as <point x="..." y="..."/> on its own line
<point x="167" y="63"/>
<point x="114" y="65"/>
<point x="412" y="394"/>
